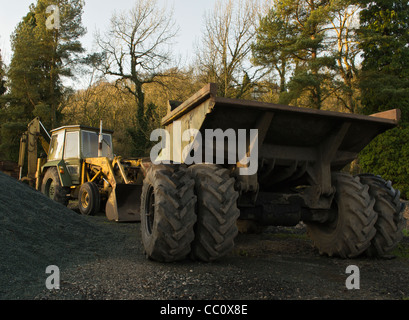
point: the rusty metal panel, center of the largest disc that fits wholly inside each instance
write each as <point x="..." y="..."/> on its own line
<point x="193" y="119"/>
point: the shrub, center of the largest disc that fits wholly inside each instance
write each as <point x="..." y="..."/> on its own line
<point x="388" y="156"/>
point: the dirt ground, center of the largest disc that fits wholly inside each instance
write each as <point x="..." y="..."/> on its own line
<point x="101" y="260"/>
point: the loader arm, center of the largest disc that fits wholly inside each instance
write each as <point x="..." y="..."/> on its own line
<point x="123" y="196"/>
<point x="28" y="144"/>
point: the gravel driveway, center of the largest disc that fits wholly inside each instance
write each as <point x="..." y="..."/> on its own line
<point x="98" y="259"/>
<point x="280" y="263"/>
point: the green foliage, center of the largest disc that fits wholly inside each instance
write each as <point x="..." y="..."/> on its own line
<point x="140" y="134"/>
<point x="387" y="155"/>
<point x="383" y="38"/>
<point x="292" y="37"/>
<point x="384" y="85"/>
<point x="382" y="91"/>
<point x="274" y="44"/>
<point x="402" y="251"/>
<point x="41" y="56"/>
<point x="3" y="88"/>
<point x="9" y="147"/>
<point x="309" y="77"/>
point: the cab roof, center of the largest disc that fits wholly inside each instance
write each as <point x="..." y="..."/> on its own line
<point x="78" y="126"/>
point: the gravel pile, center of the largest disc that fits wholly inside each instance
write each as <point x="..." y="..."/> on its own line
<point x="36" y="232"/>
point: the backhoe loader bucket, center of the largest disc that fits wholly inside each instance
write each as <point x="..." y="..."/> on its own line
<point x="124" y="203"/>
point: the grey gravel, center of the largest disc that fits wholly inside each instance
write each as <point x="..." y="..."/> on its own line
<point x="102" y="260"/>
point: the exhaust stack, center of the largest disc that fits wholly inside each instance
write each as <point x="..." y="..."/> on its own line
<point x="100" y="138"/>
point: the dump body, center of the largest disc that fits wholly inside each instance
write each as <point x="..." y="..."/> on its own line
<point x="296" y="145"/>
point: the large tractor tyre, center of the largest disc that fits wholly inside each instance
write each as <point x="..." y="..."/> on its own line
<point x="217" y="212"/>
<point x="89" y="199"/>
<point x="167" y="213"/>
<point x="390" y="221"/>
<point x="349" y="234"/>
<point x="51" y="187"/>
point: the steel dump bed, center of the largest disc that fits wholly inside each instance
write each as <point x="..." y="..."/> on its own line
<point x="289" y="135"/>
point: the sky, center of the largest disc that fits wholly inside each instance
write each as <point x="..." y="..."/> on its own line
<point x="97" y="13"/>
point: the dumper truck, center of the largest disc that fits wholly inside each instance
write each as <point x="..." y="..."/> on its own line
<point x="191" y="201"/>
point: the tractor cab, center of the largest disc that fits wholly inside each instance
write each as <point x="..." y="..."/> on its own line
<point x="69" y="145"/>
<point x="79" y="142"/>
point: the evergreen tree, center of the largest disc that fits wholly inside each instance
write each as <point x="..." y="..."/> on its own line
<point x="311" y="18"/>
<point x="388" y="156"/>
<point x="44" y="51"/>
<point x="45" y="48"/>
<point x="295" y="31"/>
<point x="384" y="83"/>
<point x="384" y="38"/>
<point x="3" y="88"/>
<point x="274" y="46"/>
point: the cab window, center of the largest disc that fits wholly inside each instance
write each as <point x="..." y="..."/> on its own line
<point x="89" y="146"/>
<point x="72" y="149"/>
<point x="56" y="146"/>
<point x="107" y="146"/>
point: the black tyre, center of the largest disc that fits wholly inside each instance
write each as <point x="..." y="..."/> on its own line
<point x="351" y="232"/>
<point x="52" y="188"/>
<point x="89" y="199"/>
<point x="389" y="208"/>
<point x="217" y="212"/>
<point x="167" y="213"/>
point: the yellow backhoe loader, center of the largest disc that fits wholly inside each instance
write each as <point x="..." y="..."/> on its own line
<point x="80" y="164"/>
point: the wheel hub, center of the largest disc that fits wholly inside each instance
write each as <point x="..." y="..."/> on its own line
<point x="85" y="199"/>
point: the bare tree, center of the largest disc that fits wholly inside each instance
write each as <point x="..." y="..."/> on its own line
<point x="136" y="49"/>
<point x="224" y="52"/>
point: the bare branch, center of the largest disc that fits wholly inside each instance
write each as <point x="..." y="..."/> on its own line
<point x="137" y="45"/>
<point x="223" y="56"/>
